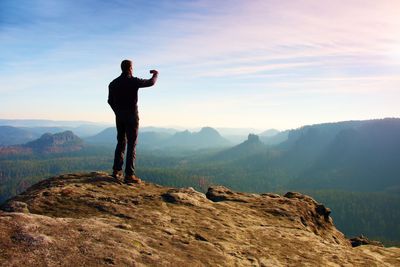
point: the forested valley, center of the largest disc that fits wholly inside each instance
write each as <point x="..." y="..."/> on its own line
<point x="351" y="167"/>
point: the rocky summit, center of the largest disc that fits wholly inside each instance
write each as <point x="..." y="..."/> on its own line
<point x="93" y="220"/>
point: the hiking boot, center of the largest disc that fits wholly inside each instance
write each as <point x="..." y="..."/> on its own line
<point x="116" y="174"/>
<point x="132" y="179"/>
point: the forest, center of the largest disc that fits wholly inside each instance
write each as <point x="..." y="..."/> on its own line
<point x="352" y="167"/>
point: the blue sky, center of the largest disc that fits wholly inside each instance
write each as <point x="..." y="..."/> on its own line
<point x="260" y="63"/>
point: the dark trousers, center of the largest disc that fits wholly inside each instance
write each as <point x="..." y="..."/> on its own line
<point x="127" y="132"/>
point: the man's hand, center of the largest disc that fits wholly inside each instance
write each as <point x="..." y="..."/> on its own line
<point x="154" y="72"/>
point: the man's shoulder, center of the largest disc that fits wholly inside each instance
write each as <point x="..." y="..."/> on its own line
<point x="115" y="81"/>
<point x="122" y="81"/>
<point x="136" y="79"/>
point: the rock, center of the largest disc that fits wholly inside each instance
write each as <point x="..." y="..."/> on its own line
<point x="30" y="239"/>
<point x="221" y="193"/>
<point x="322" y="210"/>
<point x="362" y="240"/>
<point x="187" y="196"/>
<point x="102" y="223"/>
<point x="271" y="195"/>
<point x="300" y="196"/>
<point x="15" y="206"/>
<point x="200" y="237"/>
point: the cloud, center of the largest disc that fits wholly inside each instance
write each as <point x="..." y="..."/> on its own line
<point x="245" y="70"/>
<point x="265" y="49"/>
<point x="309" y="29"/>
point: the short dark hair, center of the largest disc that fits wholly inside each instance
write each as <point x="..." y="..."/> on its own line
<point x="126" y="65"/>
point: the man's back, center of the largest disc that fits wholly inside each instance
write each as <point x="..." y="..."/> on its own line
<point x="123" y="92"/>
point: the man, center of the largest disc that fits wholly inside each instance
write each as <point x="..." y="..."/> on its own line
<point x="123" y="97"/>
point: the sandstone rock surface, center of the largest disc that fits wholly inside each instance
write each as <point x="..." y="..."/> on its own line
<point x="92" y="220"/>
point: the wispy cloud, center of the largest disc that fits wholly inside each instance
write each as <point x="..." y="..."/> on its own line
<point x="278" y="27"/>
<point x="202" y="47"/>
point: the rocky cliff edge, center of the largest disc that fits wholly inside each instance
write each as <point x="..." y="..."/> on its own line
<point x="92" y="220"/>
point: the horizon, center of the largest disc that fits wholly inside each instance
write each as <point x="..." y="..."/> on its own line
<point x="237" y="64"/>
<point x="75" y="124"/>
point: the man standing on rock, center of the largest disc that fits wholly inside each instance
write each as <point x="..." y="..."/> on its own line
<point x="123" y="98"/>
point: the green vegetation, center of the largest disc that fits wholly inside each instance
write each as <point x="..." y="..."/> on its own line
<point x="352" y="167"/>
<point x="374" y="214"/>
<point x="19" y="173"/>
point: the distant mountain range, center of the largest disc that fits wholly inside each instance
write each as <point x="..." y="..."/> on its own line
<point x="48" y="143"/>
<point x="26" y="140"/>
<point x="39" y="127"/>
<point x="252" y="146"/>
<point x="362" y="157"/>
<point x="269" y="133"/>
<point x="351" y="155"/>
<point x="11" y="135"/>
<point x="47" y="123"/>
<point x="206" y="138"/>
<point x="14" y="132"/>
<point x="274" y="138"/>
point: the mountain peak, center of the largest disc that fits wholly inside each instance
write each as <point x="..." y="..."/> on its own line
<point x="91" y="219"/>
<point x="207" y="137"/>
<point x="208" y="130"/>
<point x="251" y="146"/>
<point x="253" y="138"/>
<point x="60" y="142"/>
<point x="48" y="143"/>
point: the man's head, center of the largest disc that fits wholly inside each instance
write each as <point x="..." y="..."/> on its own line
<point x="126" y="66"/>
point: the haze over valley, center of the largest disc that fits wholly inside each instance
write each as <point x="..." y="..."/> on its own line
<point x="346" y="165"/>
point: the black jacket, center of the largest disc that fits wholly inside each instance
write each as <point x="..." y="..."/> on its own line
<point x="123" y="92"/>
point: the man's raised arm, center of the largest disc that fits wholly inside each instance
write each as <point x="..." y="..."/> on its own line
<point x="149" y="82"/>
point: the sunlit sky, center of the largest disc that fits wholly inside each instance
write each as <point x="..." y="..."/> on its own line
<point x="230" y="63"/>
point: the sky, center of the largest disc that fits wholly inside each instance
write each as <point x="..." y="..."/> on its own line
<point x="230" y="63"/>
